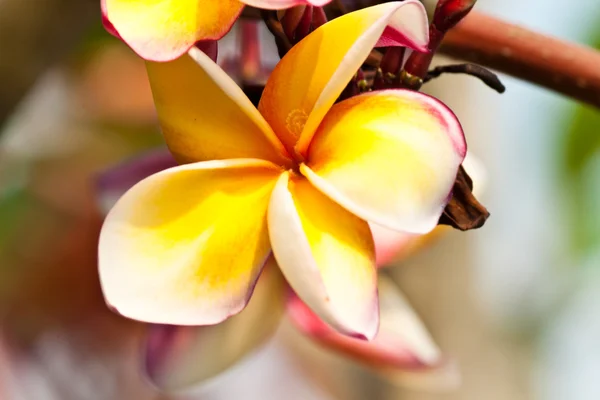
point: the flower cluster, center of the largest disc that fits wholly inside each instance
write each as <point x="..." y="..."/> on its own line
<point x="275" y="202"/>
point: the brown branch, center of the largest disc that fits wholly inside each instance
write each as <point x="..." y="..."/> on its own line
<point x="567" y="68"/>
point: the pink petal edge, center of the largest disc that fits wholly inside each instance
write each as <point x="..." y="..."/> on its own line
<point x="381" y="352"/>
<point x="283" y="4"/>
<point x="110" y="28"/>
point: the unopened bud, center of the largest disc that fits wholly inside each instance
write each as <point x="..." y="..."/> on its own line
<point x="449" y="12"/>
<point x="392" y="60"/>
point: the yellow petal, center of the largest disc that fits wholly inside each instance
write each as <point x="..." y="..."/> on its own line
<point x="162" y="30"/>
<point x="185" y="246"/>
<point x="296" y="99"/>
<point x="204" y="115"/>
<point x="327" y="256"/>
<point x="390" y="157"/>
<point x="177" y="356"/>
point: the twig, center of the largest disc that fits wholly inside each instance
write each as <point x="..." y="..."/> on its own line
<point x="567" y="68"/>
<point x="485" y="75"/>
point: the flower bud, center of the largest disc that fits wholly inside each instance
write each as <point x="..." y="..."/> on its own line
<point x="449" y="12"/>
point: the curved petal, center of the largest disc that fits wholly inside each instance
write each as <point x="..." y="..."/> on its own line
<point x="281" y="4"/>
<point x="326" y="255"/>
<point x="113" y="183"/>
<point x="390" y="157"/>
<point x="204" y="115"/>
<point x="162" y="30"/>
<point x="185" y="246"/>
<point x="177" y="356"/>
<point x="295" y="100"/>
<point x="401" y="343"/>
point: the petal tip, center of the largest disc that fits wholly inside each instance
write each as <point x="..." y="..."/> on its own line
<point x="364" y="328"/>
<point x="163" y="40"/>
<point x="106" y="21"/>
<point x="283" y="4"/>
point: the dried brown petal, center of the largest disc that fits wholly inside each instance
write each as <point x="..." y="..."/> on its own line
<point x="463" y="211"/>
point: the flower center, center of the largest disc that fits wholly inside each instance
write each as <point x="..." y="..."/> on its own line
<point x="295" y="122"/>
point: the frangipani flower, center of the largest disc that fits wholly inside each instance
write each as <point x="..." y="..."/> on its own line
<point x="300" y="178"/>
<point x="162" y="30"/>
<point x="402" y="351"/>
<point x="176" y="357"/>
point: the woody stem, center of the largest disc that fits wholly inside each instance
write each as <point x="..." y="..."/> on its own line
<point x="568" y="68"/>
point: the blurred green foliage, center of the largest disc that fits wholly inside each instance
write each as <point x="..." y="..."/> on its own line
<point x="579" y="150"/>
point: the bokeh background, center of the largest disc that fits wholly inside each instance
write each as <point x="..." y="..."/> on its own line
<point x="515" y="303"/>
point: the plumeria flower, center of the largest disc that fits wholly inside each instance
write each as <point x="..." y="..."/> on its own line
<point x="176" y="357"/>
<point x="162" y="30"/>
<point x="403" y="351"/>
<point x="298" y="178"/>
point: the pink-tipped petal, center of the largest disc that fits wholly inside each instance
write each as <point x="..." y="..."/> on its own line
<point x="177" y="356"/>
<point x="163" y="30"/>
<point x="401" y="343"/>
<point x="282" y="4"/>
<point x="390" y="157"/>
<point x="105" y="21"/>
